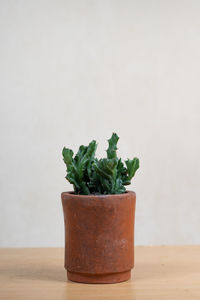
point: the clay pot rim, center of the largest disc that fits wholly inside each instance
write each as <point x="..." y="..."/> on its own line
<point x="97" y="196"/>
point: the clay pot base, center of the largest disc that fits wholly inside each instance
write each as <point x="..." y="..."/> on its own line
<point x="99" y="278"/>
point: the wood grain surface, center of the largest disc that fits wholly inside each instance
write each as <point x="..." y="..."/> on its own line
<point x="161" y="272"/>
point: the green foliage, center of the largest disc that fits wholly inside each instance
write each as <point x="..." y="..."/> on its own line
<point x="90" y="175"/>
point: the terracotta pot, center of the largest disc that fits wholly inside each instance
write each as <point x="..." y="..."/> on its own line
<point x="99" y="237"/>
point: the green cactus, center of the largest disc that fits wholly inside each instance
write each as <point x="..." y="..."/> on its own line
<point x="90" y="175"/>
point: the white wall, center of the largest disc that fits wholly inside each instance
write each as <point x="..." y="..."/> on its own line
<point x="73" y="71"/>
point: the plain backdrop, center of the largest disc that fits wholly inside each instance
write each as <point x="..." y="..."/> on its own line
<point x="73" y="71"/>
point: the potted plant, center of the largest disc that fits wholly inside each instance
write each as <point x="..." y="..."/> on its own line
<point x="99" y="215"/>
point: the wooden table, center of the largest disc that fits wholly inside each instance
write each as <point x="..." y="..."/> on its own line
<point x="160" y="273"/>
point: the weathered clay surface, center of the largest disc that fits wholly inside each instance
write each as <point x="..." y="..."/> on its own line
<point x="99" y="237"/>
